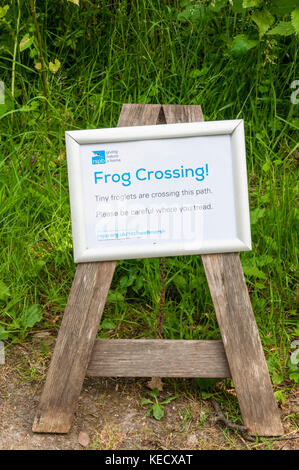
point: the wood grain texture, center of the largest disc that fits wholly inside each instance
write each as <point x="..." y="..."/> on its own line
<point x="175" y="113"/>
<point x="158" y="358"/>
<point x="242" y="344"/>
<point x="237" y="324"/>
<point x="80" y="321"/>
<point x="73" y="347"/>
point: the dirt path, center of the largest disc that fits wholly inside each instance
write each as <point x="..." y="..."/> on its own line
<point x="109" y="414"/>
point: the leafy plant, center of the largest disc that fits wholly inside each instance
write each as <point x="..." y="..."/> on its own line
<point x="155" y="407"/>
<point x="31" y="316"/>
<point x="4" y="292"/>
<point x="268" y="18"/>
<point x="206" y="387"/>
<point x="280" y="396"/>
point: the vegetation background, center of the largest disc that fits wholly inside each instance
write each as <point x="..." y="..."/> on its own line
<point x="71" y="65"/>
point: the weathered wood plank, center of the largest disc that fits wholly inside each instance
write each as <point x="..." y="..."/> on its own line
<point x="73" y="347"/>
<point x="237" y="324"/>
<point x="139" y="115"/>
<point x="175" y="113"/>
<point x="242" y="344"/>
<point x="80" y="321"/>
<point x="158" y="358"/>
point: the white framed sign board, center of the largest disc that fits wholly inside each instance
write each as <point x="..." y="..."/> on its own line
<point x="163" y="190"/>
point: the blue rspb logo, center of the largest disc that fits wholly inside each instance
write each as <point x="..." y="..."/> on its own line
<point x="99" y="157"/>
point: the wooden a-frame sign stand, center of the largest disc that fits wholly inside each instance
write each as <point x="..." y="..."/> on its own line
<point x="239" y="355"/>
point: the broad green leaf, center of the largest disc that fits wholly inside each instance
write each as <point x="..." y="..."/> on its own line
<point x="168" y="400"/>
<point x="253" y="271"/>
<point x="145" y="401"/>
<point x="205" y="383"/>
<point x="206" y="395"/>
<point x="31" y="316"/>
<point x="54" y="67"/>
<point x="3" y="334"/>
<point x="7" y="106"/>
<point x="282" y="7"/>
<point x="180" y="282"/>
<point x="284" y="28"/>
<point x="217" y="5"/>
<point x="237" y="6"/>
<point x="198" y="73"/>
<point x="263" y="19"/>
<point x="263" y="89"/>
<point x="107" y="324"/>
<point x="124" y="281"/>
<point x="154" y="393"/>
<point x="280" y="396"/>
<point x="256" y="214"/>
<point x="114" y="297"/>
<point x="266" y="166"/>
<point x="251" y="3"/>
<point x="277" y="378"/>
<point x="158" y="411"/>
<point x="26" y="42"/>
<point x="263" y="260"/>
<point x="3" y="11"/>
<point x="191" y="13"/>
<point x="241" y="44"/>
<point x="127" y="281"/>
<point x="294" y="376"/>
<point x="295" y="19"/>
<point x="138" y="283"/>
<point x="272" y="364"/>
<point x="4" y="292"/>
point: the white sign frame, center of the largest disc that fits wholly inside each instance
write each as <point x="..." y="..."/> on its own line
<point x="234" y="128"/>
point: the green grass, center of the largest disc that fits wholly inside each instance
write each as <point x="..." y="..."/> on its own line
<point x="140" y="52"/>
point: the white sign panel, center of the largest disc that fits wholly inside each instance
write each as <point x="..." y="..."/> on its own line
<point x="158" y="190"/>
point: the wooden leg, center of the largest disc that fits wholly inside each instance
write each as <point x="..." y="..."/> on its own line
<point x="242" y="344"/>
<point x="237" y="324"/>
<point x="80" y="321"/>
<point x="73" y="347"/>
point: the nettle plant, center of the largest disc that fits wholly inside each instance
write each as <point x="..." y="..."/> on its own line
<point x="266" y="20"/>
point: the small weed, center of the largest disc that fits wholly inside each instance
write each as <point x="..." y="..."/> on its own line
<point x="294" y="419"/>
<point x="155" y="407"/>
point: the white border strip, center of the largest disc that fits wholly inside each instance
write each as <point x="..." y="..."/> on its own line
<point x="160" y="131"/>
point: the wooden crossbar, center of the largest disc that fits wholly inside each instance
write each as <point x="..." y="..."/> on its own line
<point x="158" y="358"/>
